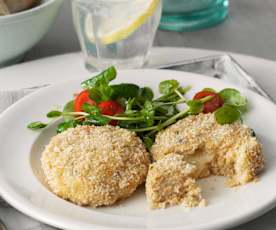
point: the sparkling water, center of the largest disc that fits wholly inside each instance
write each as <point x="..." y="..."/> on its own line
<point x="130" y="52"/>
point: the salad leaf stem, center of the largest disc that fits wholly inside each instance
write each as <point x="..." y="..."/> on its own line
<point x="118" y="118"/>
<point x="76" y="113"/>
<point x="145" y="129"/>
<point x="170" y="121"/>
<point x="205" y="99"/>
<point x="171" y="103"/>
<point x="179" y="94"/>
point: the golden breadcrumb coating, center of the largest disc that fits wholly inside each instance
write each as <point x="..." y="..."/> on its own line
<point x="228" y="150"/>
<point x="95" y="166"/>
<point x="170" y="182"/>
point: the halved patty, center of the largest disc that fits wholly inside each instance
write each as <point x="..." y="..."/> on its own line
<point x="170" y="181"/>
<point x="229" y="150"/>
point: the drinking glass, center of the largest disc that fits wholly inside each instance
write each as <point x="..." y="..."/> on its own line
<point x="188" y="15"/>
<point x="116" y="32"/>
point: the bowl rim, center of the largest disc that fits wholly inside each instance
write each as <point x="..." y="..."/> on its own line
<point x="20" y="15"/>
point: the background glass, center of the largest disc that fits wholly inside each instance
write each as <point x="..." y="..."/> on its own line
<point x="188" y="15"/>
<point x="90" y="16"/>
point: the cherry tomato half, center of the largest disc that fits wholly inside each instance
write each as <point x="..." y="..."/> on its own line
<point x="81" y="98"/>
<point x="111" y="108"/>
<point x="211" y="105"/>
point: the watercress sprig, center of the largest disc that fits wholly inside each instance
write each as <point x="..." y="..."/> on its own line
<point x="142" y="113"/>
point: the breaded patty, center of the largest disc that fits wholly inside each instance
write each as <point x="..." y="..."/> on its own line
<point x="170" y="181"/>
<point x="95" y="166"/>
<point x="230" y="150"/>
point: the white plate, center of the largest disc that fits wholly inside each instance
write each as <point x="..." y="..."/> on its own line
<point x="22" y="183"/>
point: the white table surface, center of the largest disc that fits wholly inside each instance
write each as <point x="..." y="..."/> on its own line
<point x="53" y="70"/>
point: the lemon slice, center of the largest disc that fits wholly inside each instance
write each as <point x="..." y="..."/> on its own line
<point x="119" y="21"/>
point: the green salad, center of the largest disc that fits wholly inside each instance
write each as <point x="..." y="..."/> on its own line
<point x="136" y="108"/>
